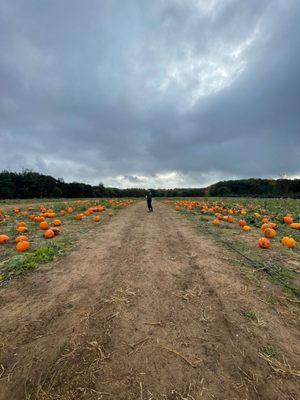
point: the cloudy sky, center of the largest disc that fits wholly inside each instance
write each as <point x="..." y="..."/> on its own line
<point x="159" y="93"/>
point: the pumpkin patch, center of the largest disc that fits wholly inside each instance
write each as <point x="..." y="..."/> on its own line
<point x="29" y="227"/>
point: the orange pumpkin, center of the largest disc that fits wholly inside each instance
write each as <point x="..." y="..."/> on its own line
<point x="22" y="246"/>
<point x="295" y="225"/>
<point x="270" y="233"/>
<point x="57" y="222"/>
<point x="22" y="229"/>
<point x="246" y="228"/>
<point x="216" y="222"/>
<point x="48" y="234"/>
<point x="242" y="223"/>
<point x="110" y="214"/>
<point x="97" y="218"/>
<point x="21" y="239"/>
<point x="289" y="242"/>
<point x="230" y="219"/>
<point x="264" y="243"/>
<point x="288" y="219"/>
<point x="78" y="217"/>
<point x="264" y="226"/>
<point x="4" y="239"/>
<point x="272" y="225"/>
<point x="21" y="224"/>
<point x="44" y="225"/>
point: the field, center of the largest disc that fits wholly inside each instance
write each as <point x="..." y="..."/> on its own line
<point x="280" y="262"/>
<point x="178" y="304"/>
<point x="71" y="219"/>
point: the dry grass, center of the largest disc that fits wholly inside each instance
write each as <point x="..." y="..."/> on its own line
<point x="281" y="368"/>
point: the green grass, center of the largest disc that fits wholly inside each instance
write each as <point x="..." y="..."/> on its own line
<point x="250" y="315"/>
<point x="18" y="265"/>
<point x="269" y="351"/>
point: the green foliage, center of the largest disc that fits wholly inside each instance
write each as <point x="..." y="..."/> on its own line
<point x="256" y="187"/>
<point x="250" y="315"/>
<point x="19" y="264"/>
<point x="29" y="184"/>
<point x="270" y="351"/>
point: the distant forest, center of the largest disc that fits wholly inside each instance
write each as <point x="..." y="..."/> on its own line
<point x="29" y="184"/>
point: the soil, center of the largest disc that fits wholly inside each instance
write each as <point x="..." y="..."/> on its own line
<point x="147" y="308"/>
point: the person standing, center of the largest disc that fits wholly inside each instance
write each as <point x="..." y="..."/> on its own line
<point x="149" y="201"/>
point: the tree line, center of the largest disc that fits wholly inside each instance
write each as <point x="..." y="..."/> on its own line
<point x="29" y="184"/>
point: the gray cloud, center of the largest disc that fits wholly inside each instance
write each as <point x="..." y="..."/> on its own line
<point x="139" y="93"/>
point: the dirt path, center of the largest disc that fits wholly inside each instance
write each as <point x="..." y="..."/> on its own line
<point x="145" y="309"/>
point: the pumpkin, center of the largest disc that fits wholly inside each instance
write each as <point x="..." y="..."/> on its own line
<point x="44" y="225"/>
<point x="264" y="243"/>
<point x="256" y="215"/>
<point x="264" y="227"/>
<point x="4" y="239"/>
<point x="295" y="225"/>
<point x="50" y="214"/>
<point x="23" y="245"/>
<point x="288" y="219"/>
<point x="242" y="223"/>
<point x="246" y="228"/>
<point x="270" y="233"/>
<point x="70" y="210"/>
<point x="97" y="218"/>
<point x="216" y="222"/>
<point x="21" y="239"/>
<point x="22" y="229"/>
<point x="21" y="224"/>
<point x="272" y="225"/>
<point x="289" y="242"/>
<point x="265" y="220"/>
<point x="110" y="214"/>
<point x="56" y="222"/>
<point x="78" y="217"/>
<point x="63" y="213"/>
<point x="48" y="234"/>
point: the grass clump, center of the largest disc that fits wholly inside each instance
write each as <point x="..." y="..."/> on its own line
<point x="19" y="264"/>
<point x="269" y="351"/>
<point x="250" y="315"/>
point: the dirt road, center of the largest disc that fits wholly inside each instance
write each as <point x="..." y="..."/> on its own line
<point x="145" y="309"/>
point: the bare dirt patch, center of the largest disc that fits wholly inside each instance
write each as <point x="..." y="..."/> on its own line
<point x="147" y="308"/>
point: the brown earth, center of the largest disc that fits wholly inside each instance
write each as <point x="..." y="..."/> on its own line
<point x="147" y="308"/>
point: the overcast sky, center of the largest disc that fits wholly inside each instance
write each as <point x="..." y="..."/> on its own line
<point x="159" y="93"/>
